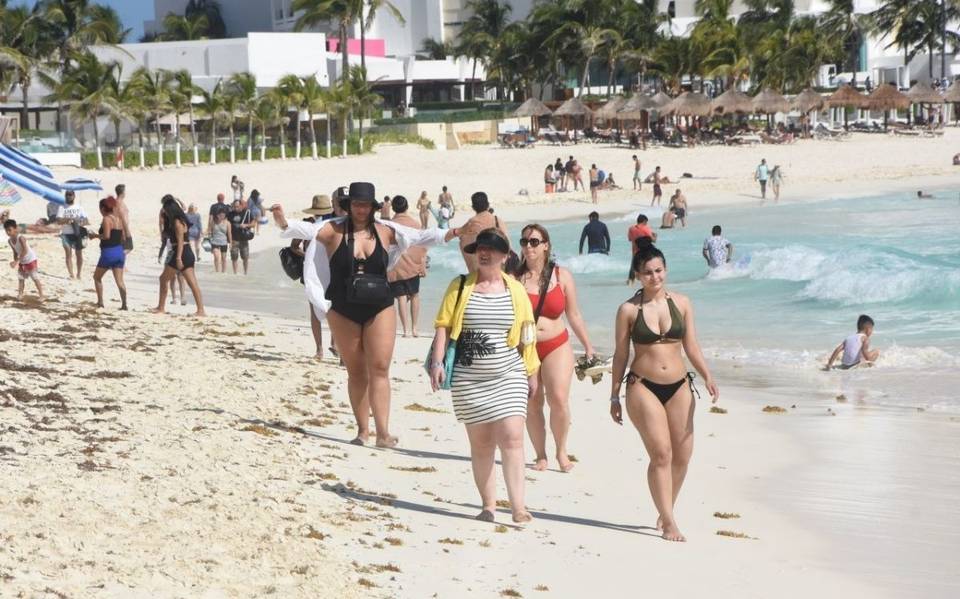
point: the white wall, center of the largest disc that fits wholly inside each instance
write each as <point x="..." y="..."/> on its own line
<point x="273" y="55"/>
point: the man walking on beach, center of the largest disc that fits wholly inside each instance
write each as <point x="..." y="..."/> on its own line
<point x="762" y="174"/>
<point x="73" y="220"/>
<point x="717" y="250"/>
<point x="483" y="219"/>
<point x="121" y="191"/>
<point x="217" y="208"/>
<point x="657" y="190"/>
<point x="596" y="235"/>
<point x="637" y="179"/>
<point x="594" y="182"/>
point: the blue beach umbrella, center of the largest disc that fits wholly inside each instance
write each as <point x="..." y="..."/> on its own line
<point x="81" y="185"/>
<point x="25" y="172"/>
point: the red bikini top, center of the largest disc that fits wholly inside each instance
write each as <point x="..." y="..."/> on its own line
<point x="555" y="304"/>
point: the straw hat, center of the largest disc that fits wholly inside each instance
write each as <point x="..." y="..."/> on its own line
<point x="321" y="205"/>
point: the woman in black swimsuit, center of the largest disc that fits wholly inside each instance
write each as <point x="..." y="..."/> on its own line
<point x="365" y="331"/>
<point x="659" y="398"/>
<point x="175" y="228"/>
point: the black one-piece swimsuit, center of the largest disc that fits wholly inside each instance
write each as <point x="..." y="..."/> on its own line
<point x="340" y="274"/>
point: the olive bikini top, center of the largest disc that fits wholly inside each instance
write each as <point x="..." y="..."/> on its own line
<point x="641" y="333"/>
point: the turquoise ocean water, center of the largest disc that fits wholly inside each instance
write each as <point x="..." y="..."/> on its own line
<point x="804" y="272"/>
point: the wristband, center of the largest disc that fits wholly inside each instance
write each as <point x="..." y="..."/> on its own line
<point x="436" y="365"/>
<point x="614" y="399"/>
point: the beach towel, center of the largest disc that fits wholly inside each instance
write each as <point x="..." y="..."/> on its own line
<point x="8" y="193"/>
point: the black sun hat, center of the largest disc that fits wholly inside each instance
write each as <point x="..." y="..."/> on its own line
<point x="491" y="238"/>
<point x="360" y="192"/>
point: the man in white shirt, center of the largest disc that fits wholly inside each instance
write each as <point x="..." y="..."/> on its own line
<point x="717" y="250"/>
<point x="73" y="219"/>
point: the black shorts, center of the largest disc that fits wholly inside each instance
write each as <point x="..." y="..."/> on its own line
<point x="222" y="248"/>
<point x="187" y="258"/>
<point x="656" y="190"/>
<point x="679" y="212"/>
<point x="405" y="287"/>
<point x="128" y="244"/>
<point x="594" y="184"/>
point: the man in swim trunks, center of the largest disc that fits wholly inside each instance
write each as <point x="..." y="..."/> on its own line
<point x="596" y="235"/>
<point x="637" y="184"/>
<point x="74" y="219"/>
<point x="762" y="174"/>
<point x="856" y="348"/>
<point x="657" y="191"/>
<point x="594" y="182"/>
<point x="678" y="204"/>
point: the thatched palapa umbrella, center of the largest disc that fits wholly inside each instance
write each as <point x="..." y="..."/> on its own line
<point x="573" y="107"/>
<point x="886" y="98"/>
<point x="534" y="109"/>
<point x="636" y="107"/>
<point x="846" y="97"/>
<point x="732" y="101"/>
<point x="952" y="96"/>
<point x="661" y="100"/>
<point x="807" y="101"/>
<point x="770" y="102"/>
<point x="689" y="104"/>
<point x="923" y="94"/>
<point x="608" y="111"/>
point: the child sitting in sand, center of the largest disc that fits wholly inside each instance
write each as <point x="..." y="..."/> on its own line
<point x="24" y="259"/>
<point x="856" y="348"/>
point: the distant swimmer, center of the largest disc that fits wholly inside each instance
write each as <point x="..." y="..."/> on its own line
<point x="596" y="235"/>
<point x="924" y="196"/>
<point x="717" y="249"/>
<point x="856" y="348"/>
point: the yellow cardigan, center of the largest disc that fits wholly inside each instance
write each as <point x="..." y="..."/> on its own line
<point x="450" y="315"/>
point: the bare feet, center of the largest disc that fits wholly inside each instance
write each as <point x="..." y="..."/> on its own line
<point x="157" y="310"/>
<point x="319" y="354"/>
<point x="404" y="335"/>
<point x="659" y="522"/>
<point x="484" y="516"/>
<point x="357" y="441"/>
<point x="414" y="334"/>
<point x="522" y="516"/>
<point x="565" y="464"/>
<point x="199" y="313"/>
<point x="672" y="533"/>
<point x="540" y="465"/>
<point x="387" y="442"/>
<point x="123" y="307"/>
<point x="99" y="304"/>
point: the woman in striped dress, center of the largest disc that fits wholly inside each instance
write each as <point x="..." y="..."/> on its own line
<point x="490" y="317"/>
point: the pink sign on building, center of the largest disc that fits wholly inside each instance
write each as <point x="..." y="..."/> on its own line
<point x="375" y="47"/>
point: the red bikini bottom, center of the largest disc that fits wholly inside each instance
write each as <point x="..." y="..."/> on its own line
<point x="544" y="348"/>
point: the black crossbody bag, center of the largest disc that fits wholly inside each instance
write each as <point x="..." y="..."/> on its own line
<point x="366" y="288"/>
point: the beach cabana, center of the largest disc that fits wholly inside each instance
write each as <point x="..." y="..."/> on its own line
<point x="691" y="104"/>
<point x="608" y="111"/>
<point x="845" y="97"/>
<point x="806" y="102"/>
<point x="534" y="109"/>
<point x="952" y="97"/>
<point x="732" y="101"/>
<point x="636" y="108"/>
<point x="574" y="109"/>
<point x="923" y="94"/>
<point x="887" y="97"/>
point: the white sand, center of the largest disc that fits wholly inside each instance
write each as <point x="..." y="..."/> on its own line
<point x="189" y="478"/>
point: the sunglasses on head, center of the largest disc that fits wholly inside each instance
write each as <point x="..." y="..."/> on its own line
<point x="532" y="242"/>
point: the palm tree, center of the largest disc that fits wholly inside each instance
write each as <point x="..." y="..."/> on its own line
<point x="364" y="99"/>
<point x="212" y="106"/>
<point x="314" y="100"/>
<point x="228" y="117"/>
<point x="672" y="61"/>
<point x="243" y="86"/>
<point x="25" y="43"/>
<point x="290" y="88"/>
<point x="185" y="27"/>
<point x="265" y="114"/>
<point x="899" y="18"/>
<point x="480" y="33"/>
<point x="340" y="103"/>
<point x="846" y="28"/>
<point x="366" y="21"/>
<point x="211" y="10"/>
<point x="431" y="49"/>
<point x="316" y="12"/>
<point x="156" y="87"/>
<point x="86" y="90"/>
<point x="127" y="106"/>
<point x="186" y="89"/>
<point x="181" y="100"/>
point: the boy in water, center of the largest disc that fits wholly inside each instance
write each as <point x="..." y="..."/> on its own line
<point x="24" y="259"/>
<point x="856" y="347"/>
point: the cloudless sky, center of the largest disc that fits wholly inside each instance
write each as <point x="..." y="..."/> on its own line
<point x="132" y="12"/>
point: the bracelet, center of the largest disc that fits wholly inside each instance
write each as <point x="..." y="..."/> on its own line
<point x="614" y="399"/>
<point x="436" y="365"/>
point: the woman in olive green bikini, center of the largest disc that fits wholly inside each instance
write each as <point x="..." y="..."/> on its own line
<point x="659" y="326"/>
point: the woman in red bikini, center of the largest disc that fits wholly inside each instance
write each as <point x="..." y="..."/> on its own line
<point x="552" y="294"/>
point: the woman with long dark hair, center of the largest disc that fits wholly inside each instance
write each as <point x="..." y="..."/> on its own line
<point x="181" y="260"/>
<point x="112" y="256"/>
<point x="351" y="290"/>
<point x="659" y="326"/>
<point x="553" y="295"/>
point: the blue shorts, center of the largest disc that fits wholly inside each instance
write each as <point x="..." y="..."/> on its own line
<point x="111" y="257"/>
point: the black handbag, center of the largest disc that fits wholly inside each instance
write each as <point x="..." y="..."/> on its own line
<point x="292" y="263"/>
<point x="246" y="234"/>
<point x="366" y="288"/>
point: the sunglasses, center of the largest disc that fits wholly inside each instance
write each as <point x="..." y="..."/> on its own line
<point x="532" y="242"/>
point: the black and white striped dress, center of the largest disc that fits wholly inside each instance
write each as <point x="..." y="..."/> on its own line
<point x="494" y="386"/>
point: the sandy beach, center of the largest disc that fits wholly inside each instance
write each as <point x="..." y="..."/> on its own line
<point x="164" y="456"/>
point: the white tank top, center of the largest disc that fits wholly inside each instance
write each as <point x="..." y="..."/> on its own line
<point x="25" y="258"/>
<point x="851" y="349"/>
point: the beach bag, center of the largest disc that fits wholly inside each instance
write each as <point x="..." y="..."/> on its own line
<point x="450" y="355"/>
<point x="292" y="263"/>
<point x="366" y="288"/>
<point x="206" y="244"/>
<point x="246" y="234"/>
